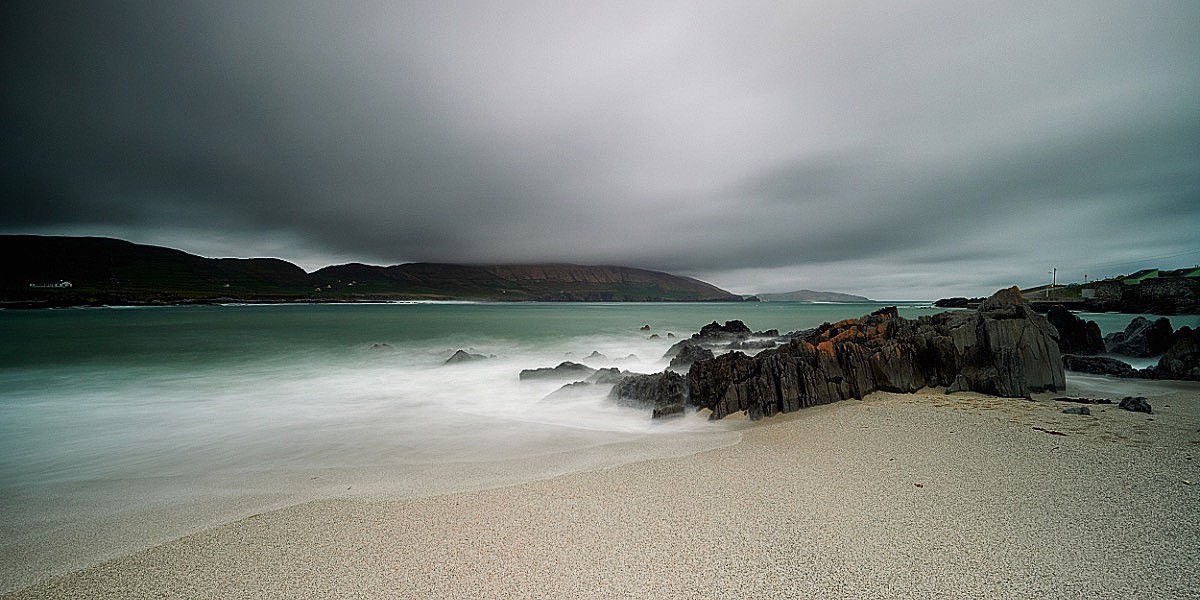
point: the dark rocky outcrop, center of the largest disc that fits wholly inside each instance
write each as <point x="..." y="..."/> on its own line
<point x="463" y="356"/>
<point x="1181" y="360"/>
<point x="607" y="376"/>
<point x="1099" y="365"/>
<point x="1135" y="404"/>
<point x="731" y="329"/>
<point x="565" y="370"/>
<point x="1075" y="336"/>
<point x="733" y="335"/>
<point x="1002" y="349"/>
<point x="664" y="392"/>
<point x="1077" y="410"/>
<point x="958" y="302"/>
<point x="1141" y="338"/>
<point x="690" y="353"/>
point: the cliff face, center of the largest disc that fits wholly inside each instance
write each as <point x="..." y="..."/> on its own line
<point x="1003" y="349"/>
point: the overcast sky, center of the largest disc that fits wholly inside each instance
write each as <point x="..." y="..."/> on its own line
<point x="899" y="150"/>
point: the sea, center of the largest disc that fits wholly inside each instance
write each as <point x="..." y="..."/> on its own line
<point x="122" y="428"/>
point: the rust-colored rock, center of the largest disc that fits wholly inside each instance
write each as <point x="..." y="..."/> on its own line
<point x="1003" y="349"/>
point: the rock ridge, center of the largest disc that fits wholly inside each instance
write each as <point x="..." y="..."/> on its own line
<point x="1002" y="349"/>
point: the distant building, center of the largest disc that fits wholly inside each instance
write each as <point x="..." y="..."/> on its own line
<point x="1140" y="276"/>
<point x="1190" y="273"/>
<point x="60" y="284"/>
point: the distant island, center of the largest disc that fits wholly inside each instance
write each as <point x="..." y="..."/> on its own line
<point x="49" y="271"/>
<point x="811" y="296"/>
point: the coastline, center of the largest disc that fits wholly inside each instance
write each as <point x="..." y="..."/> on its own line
<point x="892" y="496"/>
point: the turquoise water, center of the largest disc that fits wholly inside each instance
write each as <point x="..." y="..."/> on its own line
<point x="124" y="427"/>
<point x="100" y="393"/>
<point x="186" y="417"/>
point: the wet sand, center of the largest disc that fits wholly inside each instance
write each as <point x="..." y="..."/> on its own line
<point x="895" y="496"/>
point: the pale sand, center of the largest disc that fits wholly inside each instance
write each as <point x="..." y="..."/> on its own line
<point x="895" y="496"/>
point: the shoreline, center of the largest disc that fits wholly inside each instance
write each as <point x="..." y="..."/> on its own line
<point x="903" y="494"/>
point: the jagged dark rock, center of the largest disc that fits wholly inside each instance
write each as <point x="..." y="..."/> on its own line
<point x="1002" y="349"/>
<point x="659" y="391"/>
<point x="690" y="353"/>
<point x="565" y="370"/>
<point x="1135" y="404"/>
<point x="1181" y="360"/>
<point x="596" y="355"/>
<point x="1099" y="365"/>
<point x="957" y="302"/>
<point x="733" y="335"/>
<point x="607" y="376"/>
<point x="733" y="328"/>
<point x="753" y="344"/>
<point x="1075" y="336"/>
<point x="463" y="356"/>
<point x="1141" y="338"/>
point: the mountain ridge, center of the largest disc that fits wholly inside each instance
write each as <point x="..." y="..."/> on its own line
<point x="113" y="271"/>
<point x="811" y="296"/>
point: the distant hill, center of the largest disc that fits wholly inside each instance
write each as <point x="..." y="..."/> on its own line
<point x="111" y="271"/>
<point x="811" y="296"/>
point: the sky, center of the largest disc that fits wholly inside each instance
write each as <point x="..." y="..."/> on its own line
<point x="897" y="150"/>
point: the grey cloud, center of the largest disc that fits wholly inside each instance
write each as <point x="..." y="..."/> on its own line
<point x="789" y="144"/>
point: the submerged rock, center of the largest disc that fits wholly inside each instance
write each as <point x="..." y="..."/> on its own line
<point x="1002" y="349"/>
<point x="464" y="356"/>
<point x="565" y="370"/>
<point x="733" y="335"/>
<point x="607" y="376"/>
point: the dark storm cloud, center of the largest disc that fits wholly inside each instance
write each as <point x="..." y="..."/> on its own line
<point x="892" y="149"/>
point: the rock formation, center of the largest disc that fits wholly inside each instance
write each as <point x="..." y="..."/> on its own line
<point x="564" y="370"/>
<point x="1002" y="349"/>
<point x="1075" y="336"/>
<point x="733" y="335"/>
<point x="464" y="356"/>
<point x="1099" y="365"/>
<point x="1181" y="360"/>
<point x="1135" y="404"/>
<point x="1141" y="338"/>
<point x="690" y="353"/>
<point x="664" y="392"/>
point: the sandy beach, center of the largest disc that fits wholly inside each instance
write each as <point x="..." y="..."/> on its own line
<point x="894" y="496"/>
